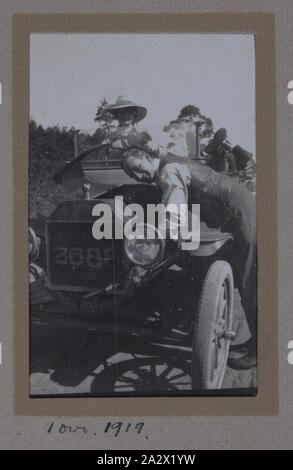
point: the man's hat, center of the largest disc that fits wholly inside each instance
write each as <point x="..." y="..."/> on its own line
<point x="122" y="103"/>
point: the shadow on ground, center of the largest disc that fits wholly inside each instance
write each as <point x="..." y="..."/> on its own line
<point x="74" y="362"/>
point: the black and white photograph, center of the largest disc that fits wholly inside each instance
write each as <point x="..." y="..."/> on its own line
<point x="142" y="215"/>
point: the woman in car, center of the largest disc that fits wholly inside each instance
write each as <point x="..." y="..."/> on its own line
<point x="126" y="136"/>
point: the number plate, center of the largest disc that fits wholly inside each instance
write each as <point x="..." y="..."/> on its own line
<point x="77" y="257"/>
<point x="77" y="261"/>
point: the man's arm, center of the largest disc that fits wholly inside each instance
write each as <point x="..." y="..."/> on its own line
<point x="155" y="149"/>
<point x="173" y="180"/>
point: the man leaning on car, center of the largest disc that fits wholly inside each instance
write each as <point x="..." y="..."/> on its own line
<point x="183" y="181"/>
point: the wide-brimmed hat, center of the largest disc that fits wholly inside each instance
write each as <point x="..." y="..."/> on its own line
<point x="124" y="102"/>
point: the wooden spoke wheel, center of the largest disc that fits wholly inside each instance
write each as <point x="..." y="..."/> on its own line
<point x="213" y="328"/>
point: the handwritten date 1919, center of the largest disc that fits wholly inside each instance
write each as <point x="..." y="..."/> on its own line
<point x="124" y="427"/>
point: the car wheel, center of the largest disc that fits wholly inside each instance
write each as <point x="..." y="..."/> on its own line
<point x="213" y="328"/>
<point x="143" y="375"/>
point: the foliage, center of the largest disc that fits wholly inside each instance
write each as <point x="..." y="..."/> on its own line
<point x="49" y="150"/>
<point x="192" y="114"/>
<point x="105" y="120"/>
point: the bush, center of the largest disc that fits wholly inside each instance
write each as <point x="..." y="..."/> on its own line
<point x="49" y="150"/>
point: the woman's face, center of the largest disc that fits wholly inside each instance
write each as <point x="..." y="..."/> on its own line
<point x="125" y="116"/>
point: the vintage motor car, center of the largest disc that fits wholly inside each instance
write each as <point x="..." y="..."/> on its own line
<point x="147" y="288"/>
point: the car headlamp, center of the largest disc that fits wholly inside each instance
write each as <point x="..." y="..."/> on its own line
<point x="33" y="243"/>
<point x="146" y="246"/>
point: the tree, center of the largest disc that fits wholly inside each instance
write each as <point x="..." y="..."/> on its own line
<point x="49" y="150"/>
<point x="105" y="120"/>
<point x="182" y="131"/>
<point x="191" y="114"/>
<point x="188" y="111"/>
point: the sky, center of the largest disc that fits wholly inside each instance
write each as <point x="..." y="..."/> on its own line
<point x="71" y="73"/>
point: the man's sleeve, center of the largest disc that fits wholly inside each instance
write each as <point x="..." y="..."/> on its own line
<point x="173" y="181"/>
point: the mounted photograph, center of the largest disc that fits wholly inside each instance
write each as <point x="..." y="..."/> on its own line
<point x="142" y="215"/>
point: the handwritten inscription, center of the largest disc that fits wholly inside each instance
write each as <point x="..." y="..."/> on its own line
<point x="112" y="428"/>
<point x="65" y="428"/>
<point x="121" y="426"/>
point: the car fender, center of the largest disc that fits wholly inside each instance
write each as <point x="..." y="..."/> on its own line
<point x="210" y="244"/>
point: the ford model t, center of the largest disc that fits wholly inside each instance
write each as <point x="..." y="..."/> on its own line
<point x="143" y="288"/>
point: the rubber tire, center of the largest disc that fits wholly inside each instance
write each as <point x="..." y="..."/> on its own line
<point x="218" y="273"/>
